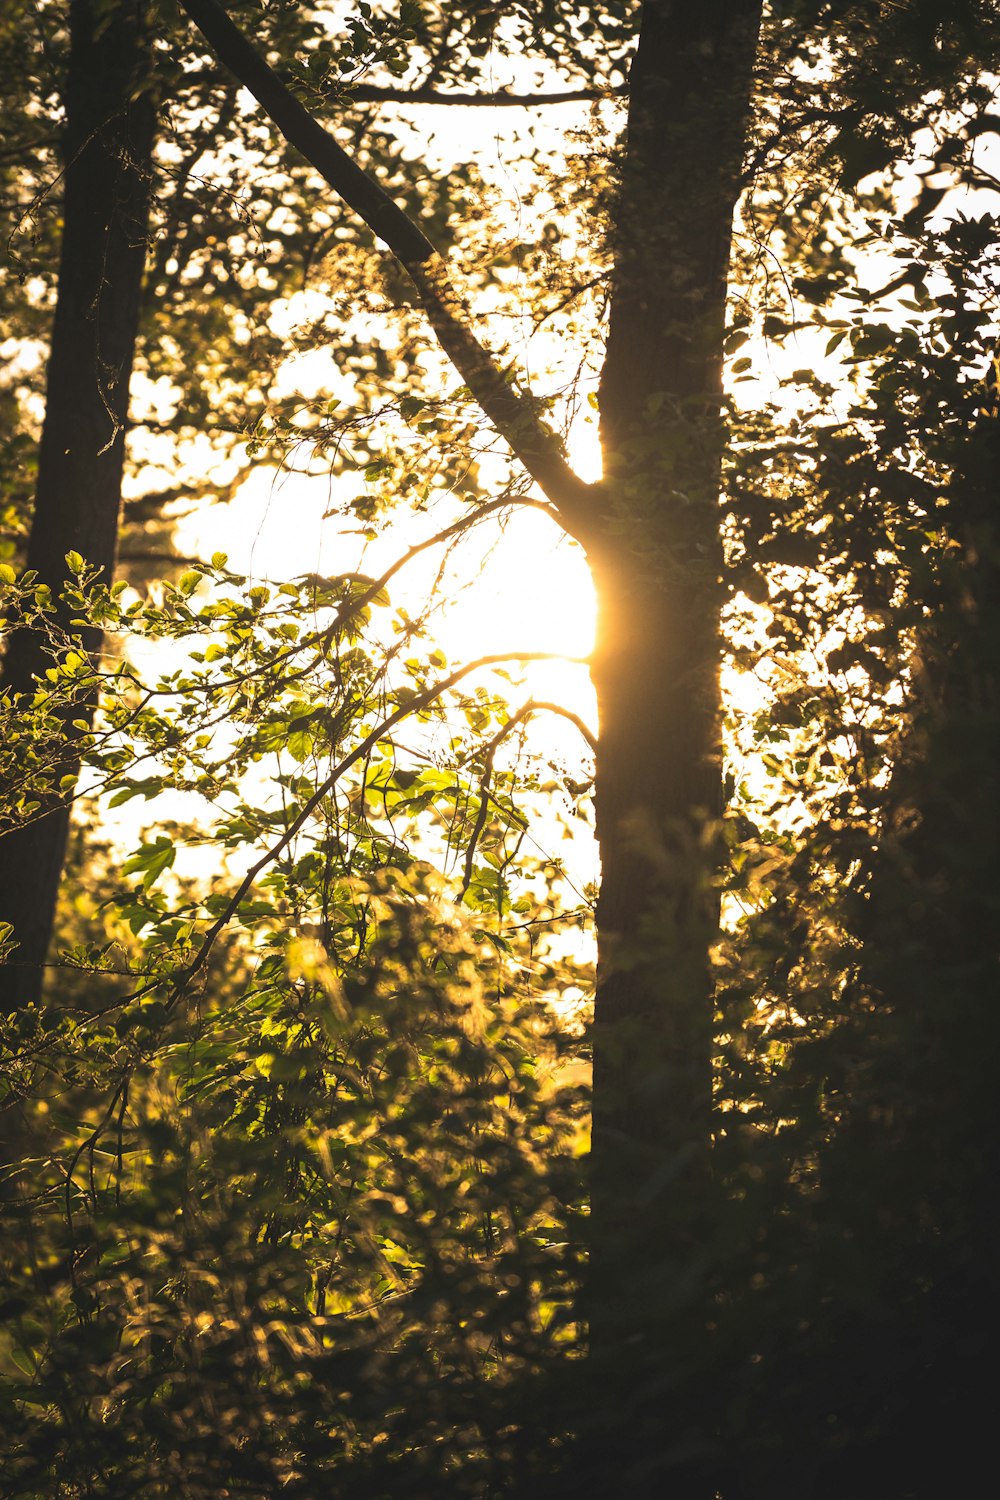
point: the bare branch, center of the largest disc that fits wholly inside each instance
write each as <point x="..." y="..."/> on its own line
<point x="365" y="93"/>
<point x="161" y="555"/>
<point x="21" y="149"/>
<point x="150" y="506"/>
<point x="537" y="706"/>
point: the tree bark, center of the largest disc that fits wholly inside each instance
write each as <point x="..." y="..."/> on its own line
<point x="108" y="142"/>
<point x="651" y="531"/>
<point x="657" y="565"/>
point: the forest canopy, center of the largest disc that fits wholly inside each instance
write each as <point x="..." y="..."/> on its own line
<point x="452" y="1059"/>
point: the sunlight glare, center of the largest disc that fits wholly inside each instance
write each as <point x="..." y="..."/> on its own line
<point x="520" y="587"/>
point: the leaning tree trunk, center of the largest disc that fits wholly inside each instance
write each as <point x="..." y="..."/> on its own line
<point x="657" y="566"/>
<point x="108" y="146"/>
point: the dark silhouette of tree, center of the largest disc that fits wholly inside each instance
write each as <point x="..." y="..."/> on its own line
<point x="107" y="153"/>
<point x="790" y="1226"/>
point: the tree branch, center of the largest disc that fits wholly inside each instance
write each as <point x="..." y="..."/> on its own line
<point x="511" y="411"/>
<point x="25" y="148"/>
<point x="366" y="93"/>
<point x="533" y="706"/>
<point x="538" y="706"/>
<point x="414" y="705"/>
<point x="353" y="607"/>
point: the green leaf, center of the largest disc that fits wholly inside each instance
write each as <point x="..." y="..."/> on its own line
<point x="151" y="860"/>
<point x="189" y="581"/>
<point x="123" y="795"/>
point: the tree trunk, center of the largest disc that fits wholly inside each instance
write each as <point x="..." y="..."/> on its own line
<point x="652" y="535"/>
<point x="657" y="566"/>
<point x="108" y="144"/>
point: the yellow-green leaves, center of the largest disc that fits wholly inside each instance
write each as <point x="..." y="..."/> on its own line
<point x="151" y="860"/>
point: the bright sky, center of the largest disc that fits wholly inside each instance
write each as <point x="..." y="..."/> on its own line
<point x="525" y="588"/>
<point x="519" y="585"/>
<point x="522" y="587"/>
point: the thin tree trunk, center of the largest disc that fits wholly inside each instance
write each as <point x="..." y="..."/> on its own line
<point x="108" y="144"/>
<point x="657" y="567"/>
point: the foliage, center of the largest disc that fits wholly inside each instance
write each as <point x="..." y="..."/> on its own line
<point x="294" y="1145"/>
<point x="858" y="999"/>
<point x="321" y="1180"/>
